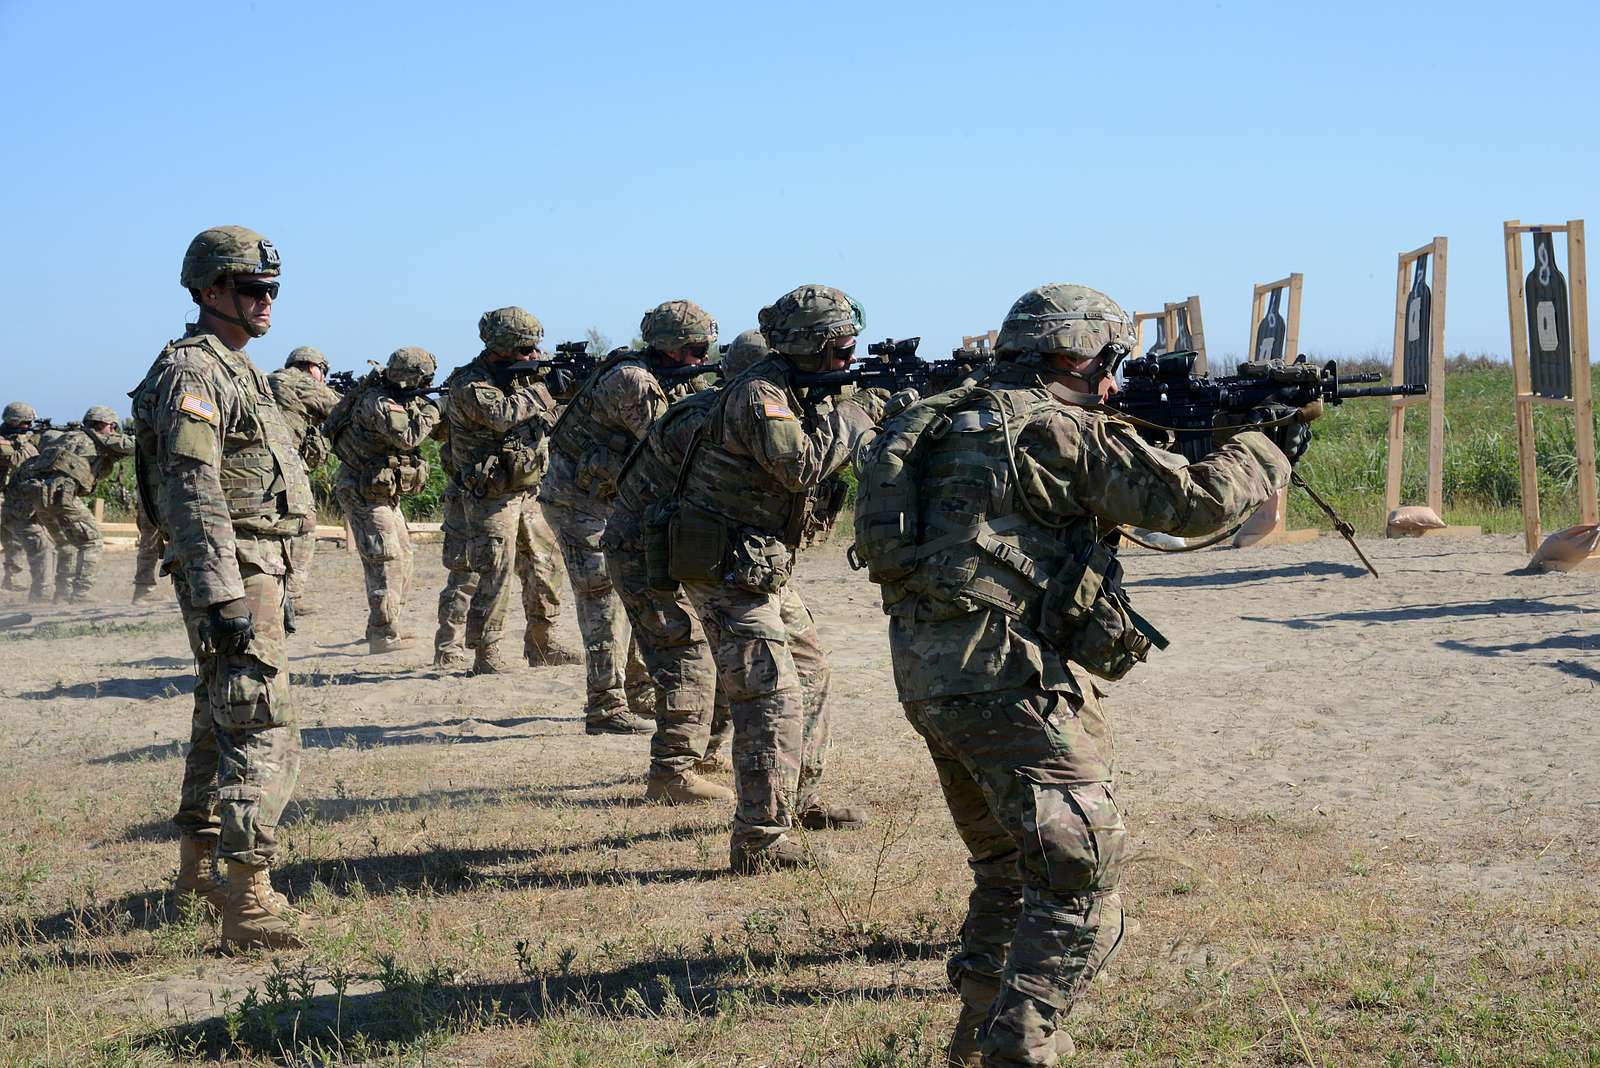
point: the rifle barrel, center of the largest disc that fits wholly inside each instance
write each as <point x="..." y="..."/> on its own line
<point x="1413" y="390"/>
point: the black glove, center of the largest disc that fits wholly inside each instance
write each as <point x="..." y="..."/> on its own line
<point x="229" y="627"/>
<point x="1293" y="437"/>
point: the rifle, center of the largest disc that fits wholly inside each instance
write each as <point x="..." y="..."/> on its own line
<point x="41" y="425"/>
<point x="342" y="382"/>
<point x="894" y="365"/>
<point x="1180" y="411"/>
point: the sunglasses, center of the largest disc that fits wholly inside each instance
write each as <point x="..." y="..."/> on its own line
<point x="527" y="350"/>
<point x="257" y="290"/>
<point x="697" y="351"/>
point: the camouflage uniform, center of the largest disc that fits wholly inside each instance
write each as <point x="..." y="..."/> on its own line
<point x="1023" y="750"/>
<point x="69" y="464"/>
<point x="147" y="559"/>
<point x="745" y="495"/>
<point x="18" y="528"/>
<point x="380" y="461"/>
<point x="496" y="427"/>
<point x="305" y="403"/>
<point x="597" y="429"/>
<point x="691" y="710"/>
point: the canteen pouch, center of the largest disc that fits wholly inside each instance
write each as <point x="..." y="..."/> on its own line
<point x="697" y="545"/>
<point x="1086" y="616"/>
<point x="761" y="564"/>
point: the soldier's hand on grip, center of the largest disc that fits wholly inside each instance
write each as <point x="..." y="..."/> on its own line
<point x="1290" y="434"/>
<point x="229" y="628"/>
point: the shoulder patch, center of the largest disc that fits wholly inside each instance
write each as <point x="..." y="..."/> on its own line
<point x="199" y="407"/>
<point x="393" y="405"/>
<point x="776" y="411"/>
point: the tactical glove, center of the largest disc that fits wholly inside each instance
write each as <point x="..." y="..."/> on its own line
<point x="873" y="401"/>
<point x="1292" y="436"/>
<point x="229" y="628"/>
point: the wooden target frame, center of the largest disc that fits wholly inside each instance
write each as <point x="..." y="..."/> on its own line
<point x="1261" y="296"/>
<point x="1169" y="319"/>
<point x="983" y="344"/>
<point x="1581" y="401"/>
<point x="1436" y="254"/>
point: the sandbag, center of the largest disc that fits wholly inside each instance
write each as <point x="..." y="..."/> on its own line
<point x="1566" y="549"/>
<point x="1263" y="522"/>
<point x="1412" y="521"/>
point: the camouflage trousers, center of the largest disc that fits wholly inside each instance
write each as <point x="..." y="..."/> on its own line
<point x="1027" y="778"/>
<point x="771" y="665"/>
<point x="244" y="746"/>
<point x="616" y="676"/>
<point x="672" y="644"/>
<point x="152" y="545"/>
<point x="301" y="552"/>
<point x="535" y="565"/>
<point x="72" y="527"/>
<point x="383" y="542"/>
<point x="25" y="540"/>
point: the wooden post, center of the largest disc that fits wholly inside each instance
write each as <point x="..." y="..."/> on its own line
<point x="1197" y="333"/>
<point x="1582" y="386"/>
<point x="99" y="512"/>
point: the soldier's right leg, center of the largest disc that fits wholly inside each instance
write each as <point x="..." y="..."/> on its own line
<point x="376" y="540"/>
<point x="22" y="505"/>
<point x="539" y="571"/>
<point x="460" y="583"/>
<point x="767" y="706"/>
<point x="80" y="530"/>
<point x="147" y="561"/>
<point x="684" y="676"/>
<point x="302" y="551"/>
<point x="11" y="547"/>
<point x="491" y="551"/>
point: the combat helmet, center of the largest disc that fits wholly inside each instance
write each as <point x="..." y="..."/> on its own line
<point x="410" y="367"/>
<point x="677" y="325"/>
<point x="1071" y="320"/>
<point x="99" y="413"/>
<point x="18" y="413"/>
<point x="225" y="250"/>
<point x="747" y="350"/>
<point x="799" y="324"/>
<point x="307" y="354"/>
<point x="505" y="330"/>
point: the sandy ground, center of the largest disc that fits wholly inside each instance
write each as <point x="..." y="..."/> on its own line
<point x="1445" y="715"/>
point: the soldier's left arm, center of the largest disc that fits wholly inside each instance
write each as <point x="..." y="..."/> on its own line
<point x="764" y="423"/>
<point x="1077" y="463"/>
<point x="403" y="426"/>
<point x="629" y="398"/>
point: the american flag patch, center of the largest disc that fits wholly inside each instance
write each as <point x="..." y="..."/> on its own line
<point x="198" y="407"/>
<point x="777" y="411"/>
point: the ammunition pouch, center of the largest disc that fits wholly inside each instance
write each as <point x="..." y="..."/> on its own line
<point x="597" y="470"/>
<point x="653" y="533"/>
<point x="761" y="564"/>
<point x="698" y="548"/>
<point x="1086" y="616"/>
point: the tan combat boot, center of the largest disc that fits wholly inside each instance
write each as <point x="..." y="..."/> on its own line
<point x="302" y="608"/>
<point x="252" y="918"/>
<point x="819" y="816"/>
<point x="376" y="646"/>
<point x="684" y="788"/>
<point x="143" y="594"/>
<point x="752" y="859"/>
<point x="450" y="656"/>
<point x="197" y="873"/>
<point x="547" y="652"/>
<point x="488" y="661"/>
<point x="977" y="994"/>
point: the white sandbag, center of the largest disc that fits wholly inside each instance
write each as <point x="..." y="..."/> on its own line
<point x="1412" y="521"/>
<point x="1566" y="549"/>
<point x="1263" y="522"/>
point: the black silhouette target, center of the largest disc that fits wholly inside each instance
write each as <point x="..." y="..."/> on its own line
<point x="1271" y="331"/>
<point x="1185" y="341"/>
<point x="1159" y="346"/>
<point x="1549" y="323"/>
<point x="1419" y="326"/>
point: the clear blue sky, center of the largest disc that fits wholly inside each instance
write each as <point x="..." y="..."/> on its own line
<point x="418" y="164"/>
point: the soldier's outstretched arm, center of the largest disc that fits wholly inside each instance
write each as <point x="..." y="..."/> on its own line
<point x="630" y="396"/>
<point x="190" y="415"/>
<point x="403" y="426"/>
<point x="1076" y="463"/>
<point x="499" y="410"/>
<point x="762" y="421"/>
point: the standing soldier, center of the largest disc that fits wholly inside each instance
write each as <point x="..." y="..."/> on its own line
<point x="497" y="425"/>
<point x="607" y="416"/>
<point x="670" y="637"/>
<point x="989" y="517"/>
<point x="69" y="465"/>
<point x="303" y="395"/>
<point x="744" y="496"/>
<point x="216" y="468"/>
<point x="18" y="444"/>
<point x="147" y="556"/>
<point x="379" y="445"/>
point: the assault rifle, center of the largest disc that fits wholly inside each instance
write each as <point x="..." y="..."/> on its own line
<point x="342" y="382"/>
<point x="893" y="365"/>
<point x="572" y="363"/>
<point x="41" y="425"/>
<point x="1182" y="408"/>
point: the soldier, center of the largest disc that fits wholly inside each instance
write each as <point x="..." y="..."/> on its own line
<point x="744" y="495"/>
<point x="301" y="390"/>
<point x="1010" y="591"/>
<point x="216" y="469"/>
<point x="69" y="465"/>
<point x="599" y="427"/>
<point x="147" y="558"/>
<point x="18" y="444"/>
<point x="379" y="445"/>
<point x="497" y="423"/>
<point x="670" y="637"/>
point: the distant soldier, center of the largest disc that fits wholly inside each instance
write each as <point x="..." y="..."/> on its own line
<point x="670" y="636"/>
<point x="497" y="423"/>
<point x="305" y="399"/>
<point x="379" y="445"/>
<point x="147" y="556"/>
<point x="18" y="444"/>
<point x="606" y="417"/>
<point x="217" y="469"/>
<point x="58" y="480"/>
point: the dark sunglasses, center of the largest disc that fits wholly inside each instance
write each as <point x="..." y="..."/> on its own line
<point x="527" y="350"/>
<point x="257" y="290"/>
<point x="697" y="351"/>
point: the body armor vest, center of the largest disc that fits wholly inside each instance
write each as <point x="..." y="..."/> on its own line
<point x="650" y="471"/>
<point x="720" y="482"/>
<point x="70" y="454"/>
<point x="374" y="463"/>
<point x="471" y="442"/>
<point x="259" y="458"/>
<point x="14" y="452"/>
<point x="578" y="432"/>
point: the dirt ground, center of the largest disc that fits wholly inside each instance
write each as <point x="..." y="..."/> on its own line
<point x="1367" y="813"/>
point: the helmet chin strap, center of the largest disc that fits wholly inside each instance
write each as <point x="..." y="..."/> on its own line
<point x="237" y="319"/>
